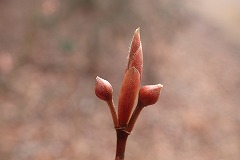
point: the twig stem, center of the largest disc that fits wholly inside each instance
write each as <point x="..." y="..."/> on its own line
<point x="122" y="136"/>
<point x="113" y="113"/>
<point x="134" y="117"/>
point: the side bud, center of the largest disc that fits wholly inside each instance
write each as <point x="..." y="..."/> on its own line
<point x="149" y="94"/>
<point x="103" y="89"/>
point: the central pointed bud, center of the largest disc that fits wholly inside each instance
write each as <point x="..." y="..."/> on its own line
<point x="135" y="54"/>
<point x="131" y="80"/>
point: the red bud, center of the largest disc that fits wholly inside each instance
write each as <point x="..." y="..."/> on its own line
<point x="149" y="94"/>
<point x="103" y="89"/>
<point x="128" y="93"/>
<point x="135" y="54"/>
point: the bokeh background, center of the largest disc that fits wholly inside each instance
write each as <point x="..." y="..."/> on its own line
<point x="52" y="50"/>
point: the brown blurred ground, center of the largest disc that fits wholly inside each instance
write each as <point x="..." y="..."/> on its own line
<point x="52" y="50"/>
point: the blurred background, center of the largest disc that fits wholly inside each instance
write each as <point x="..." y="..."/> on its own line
<point x="52" y="50"/>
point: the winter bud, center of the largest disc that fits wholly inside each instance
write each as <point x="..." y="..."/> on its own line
<point x="128" y="94"/>
<point x="103" y="89"/>
<point x="149" y="94"/>
<point x="135" y="53"/>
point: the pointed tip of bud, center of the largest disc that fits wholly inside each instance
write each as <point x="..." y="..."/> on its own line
<point x="135" y="54"/>
<point x="137" y="31"/>
<point x="136" y="41"/>
<point x="149" y="94"/>
<point x="103" y="89"/>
